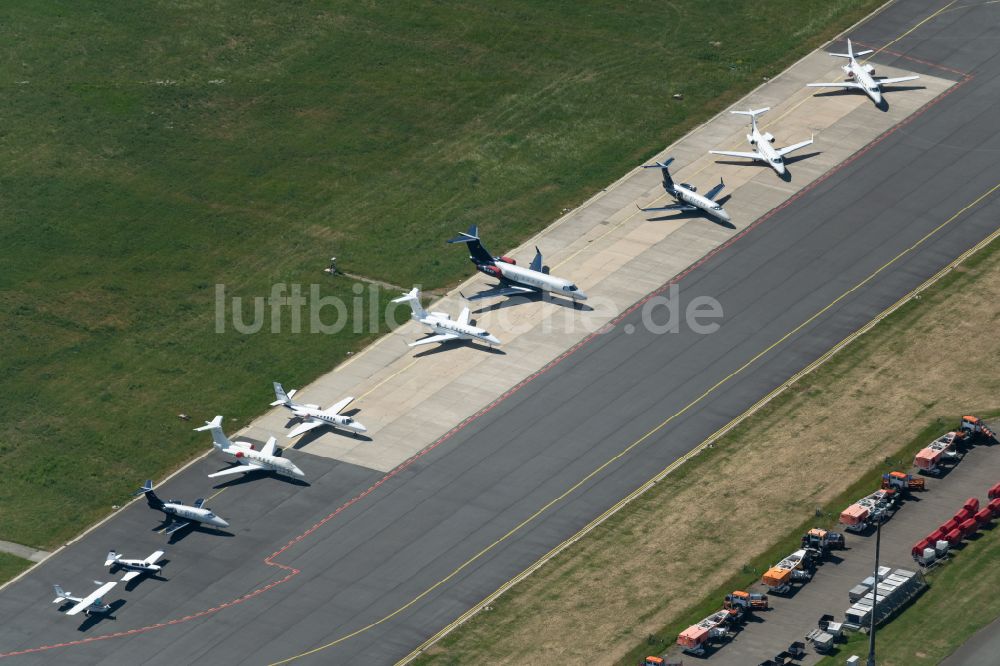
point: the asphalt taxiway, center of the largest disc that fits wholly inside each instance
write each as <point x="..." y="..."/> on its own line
<point x="410" y="551"/>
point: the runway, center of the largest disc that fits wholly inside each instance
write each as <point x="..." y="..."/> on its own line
<point x="412" y="550"/>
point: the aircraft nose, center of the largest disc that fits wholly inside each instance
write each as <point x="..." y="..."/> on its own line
<point x="493" y="340"/>
<point x="220" y="522"/>
<point x="298" y="473"/>
<point x="359" y="427"/>
<point x="580" y="296"/>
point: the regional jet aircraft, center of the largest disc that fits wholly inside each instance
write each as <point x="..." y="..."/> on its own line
<point x="248" y="459"/>
<point x="514" y="279"/>
<point x="134" y="568"/>
<point x="178" y="516"/>
<point x="442" y="325"/>
<point x="863" y="76"/>
<point x="313" y="416"/>
<point x="92" y="604"/>
<point x="686" y="195"/>
<point x="763" y="150"/>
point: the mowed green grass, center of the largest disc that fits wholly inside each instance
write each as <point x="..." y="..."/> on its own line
<point x="149" y="152"/>
<point x="11" y="565"/>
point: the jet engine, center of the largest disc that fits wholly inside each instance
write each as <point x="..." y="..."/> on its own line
<point x="869" y="68"/>
<point x="506" y="260"/>
<point x="769" y="137"/>
<point x="491" y="270"/>
<point x="753" y="141"/>
<point x="688" y="186"/>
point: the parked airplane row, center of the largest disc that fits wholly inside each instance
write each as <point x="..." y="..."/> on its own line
<point x="512" y="280"/>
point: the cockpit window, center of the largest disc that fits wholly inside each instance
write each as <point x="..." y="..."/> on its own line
<point x="777" y="160"/>
<point x="348" y="420"/>
<point x="571" y="287"/>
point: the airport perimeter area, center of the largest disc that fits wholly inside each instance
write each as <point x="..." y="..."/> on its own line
<point x="478" y="462"/>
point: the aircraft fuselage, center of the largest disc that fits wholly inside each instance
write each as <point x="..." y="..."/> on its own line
<point x="536" y="280"/>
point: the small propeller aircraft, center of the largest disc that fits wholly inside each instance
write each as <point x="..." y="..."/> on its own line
<point x="134" y="568"/>
<point x="314" y="416"/>
<point x="442" y="325"/>
<point x="686" y="195"/>
<point x="177" y="515"/>
<point x="92" y="604"/>
<point x="862" y="77"/>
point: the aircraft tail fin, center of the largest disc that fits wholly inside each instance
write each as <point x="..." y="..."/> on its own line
<point x="412" y="298"/>
<point x="219" y="439"/>
<point x="664" y="167"/>
<point x="280" y="396"/>
<point x="61" y="594"/>
<point x="850" y="52"/>
<point x="151" y="498"/>
<point x="477" y="252"/>
<point x="112" y="558"/>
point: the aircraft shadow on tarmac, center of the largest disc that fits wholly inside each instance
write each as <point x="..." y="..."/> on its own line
<point x="90" y="621"/>
<point x="791" y="159"/>
<point x="882" y="106"/>
<point x="454" y="344"/>
<point x="691" y="214"/>
<point x="183" y="532"/>
<point x="312" y="435"/>
<point x="134" y="583"/>
<point x="256" y="475"/>
<point x="528" y="298"/>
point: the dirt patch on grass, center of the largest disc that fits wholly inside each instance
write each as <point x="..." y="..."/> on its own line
<point x="697" y="528"/>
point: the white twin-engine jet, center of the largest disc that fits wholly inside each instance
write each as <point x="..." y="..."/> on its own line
<point x="514" y="280"/>
<point x="686" y="196"/>
<point x="442" y="325"/>
<point x="247" y="458"/>
<point x="763" y="150"/>
<point x="313" y="416"/>
<point x="92" y="604"/>
<point x="177" y="515"/>
<point x="134" y="568"/>
<point x="862" y="76"/>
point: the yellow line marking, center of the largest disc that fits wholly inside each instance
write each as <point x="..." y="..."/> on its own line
<point x="398" y="372"/>
<point x="221" y="490"/>
<point x="932" y="16"/>
<point x="642" y="439"/>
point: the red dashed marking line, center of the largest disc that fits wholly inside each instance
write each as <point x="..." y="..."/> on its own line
<point x="292" y="571"/>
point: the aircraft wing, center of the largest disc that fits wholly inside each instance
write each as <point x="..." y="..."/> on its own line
<point x="304" y="427"/>
<point x="131" y="575"/>
<point x="710" y="195"/>
<point x="536" y="263"/>
<point x="500" y="290"/>
<point x="268" y="449"/>
<point x="842" y="84"/>
<point x="463" y="318"/>
<point x="792" y="148"/>
<point x="674" y="206"/>
<point x="235" y="469"/>
<point x="337" y="407"/>
<point x="434" y="338"/>
<point x="152" y="559"/>
<point x="736" y="153"/>
<point x="176" y="524"/>
<point x="898" y="79"/>
<point x="96" y="595"/>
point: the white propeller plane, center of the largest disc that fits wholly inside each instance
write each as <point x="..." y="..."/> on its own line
<point x="862" y="76"/>
<point x="686" y="195"/>
<point x="442" y="325"/>
<point x="248" y="459"/>
<point x="514" y="280"/>
<point x="134" y="568"/>
<point x="763" y="150"/>
<point x="314" y="416"/>
<point x="179" y="516"/>
<point x="92" y="604"/>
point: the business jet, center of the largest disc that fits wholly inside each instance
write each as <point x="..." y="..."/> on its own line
<point x="862" y="77"/>
<point x="246" y="457"/>
<point x="177" y="515"/>
<point x="686" y="196"/>
<point x="442" y="325"/>
<point x="763" y="151"/>
<point x="314" y="416"/>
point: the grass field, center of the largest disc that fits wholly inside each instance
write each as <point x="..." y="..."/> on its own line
<point x="961" y="599"/>
<point x="151" y="153"/>
<point x="11" y="565"/>
<point x="631" y="578"/>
